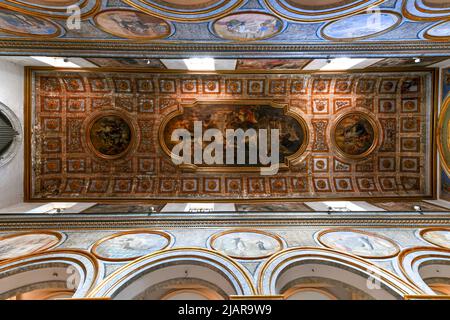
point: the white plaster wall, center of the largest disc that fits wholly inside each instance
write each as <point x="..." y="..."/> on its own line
<point x="11" y="94"/>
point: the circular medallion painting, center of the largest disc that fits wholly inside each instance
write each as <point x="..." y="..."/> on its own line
<point x="132" y="24"/>
<point x="25" y="25"/>
<point x="248" y="26"/>
<point x="440" y="31"/>
<point x="246" y="244"/>
<point x="355" y="135"/>
<point x="359" y="243"/>
<point x="110" y="136"/>
<point x="361" y="26"/>
<point x="20" y="244"/>
<point x="130" y="245"/>
<point x="437" y="236"/>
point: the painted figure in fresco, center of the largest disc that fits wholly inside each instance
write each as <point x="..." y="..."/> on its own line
<point x="359" y="244"/>
<point x="133" y="243"/>
<point x="241" y="117"/>
<point x="131" y="22"/>
<point x="14" y="247"/>
<point x="239" y="244"/>
<point x="25" y="23"/>
<point x="110" y="135"/>
<point x="354" y="135"/>
<point x="246" y="245"/>
<point x="252" y="29"/>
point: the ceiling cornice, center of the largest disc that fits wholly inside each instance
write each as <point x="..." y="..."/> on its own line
<point x="171" y="50"/>
<point x="16" y="222"/>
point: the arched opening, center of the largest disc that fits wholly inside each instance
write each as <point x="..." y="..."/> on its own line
<point x="319" y="273"/>
<point x="176" y="274"/>
<point x="428" y="268"/>
<point x="57" y="274"/>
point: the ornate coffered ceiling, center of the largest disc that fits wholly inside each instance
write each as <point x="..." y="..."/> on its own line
<point x="101" y="135"/>
<point x="231" y="28"/>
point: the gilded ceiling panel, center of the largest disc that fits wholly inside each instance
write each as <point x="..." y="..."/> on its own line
<point x="102" y="135"/>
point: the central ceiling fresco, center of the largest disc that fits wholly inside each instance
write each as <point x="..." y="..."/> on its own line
<point x="206" y="24"/>
<point x="101" y="135"/>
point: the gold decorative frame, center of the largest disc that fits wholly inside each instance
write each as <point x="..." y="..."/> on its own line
<point x="435" y="38"/>
<point x="374" y="268"/>
<point x="412" y="17"/>
<point x="138" y="39"/>
<point x="376" y="134"/>
<point x="278" y="239"/>
<point x="434" y="254"/>
<point x="54" y="244"/>
<point x="395" y="25"/>
<point x="171" y="13"/>
<point x="421" y="9"/>
<point x="58" y="32"/>
<point x="207" y="294"/>
<point x="100" y="114"/>
<point x="271" y="103"/>
<point x="291" y="291"/>
<point x="440" y="127"/>
<point x="106" y="281"/>
<point x="44" y="257"/>
<point x="312" y="14"/>
<point x="94" y="247"/>
<point x="392" y="242"/>
<point x="424" y="231"/>
<point x="213" y="26"/>
<point x="56" y="13"/>
<point x="425" y="297"/>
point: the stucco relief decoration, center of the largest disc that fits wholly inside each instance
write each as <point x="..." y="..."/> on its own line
<point x="100" y="135"/>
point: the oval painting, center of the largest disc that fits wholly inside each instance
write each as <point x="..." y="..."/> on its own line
<point x="246" y="244"/>
<point x="438" y="237"/>
<point x="16" y="245"/>
<point x="25" y="25"/>
<point x="440" y="31"/>
<point x="355" y="135"/>
<point x="248" y="26"/>
<point x="361" y="26"/>
<point x="132" y="24"/>
<point x="359" y="243"/>
<point x="125" y="246"/>
<point x="110" y="136"/>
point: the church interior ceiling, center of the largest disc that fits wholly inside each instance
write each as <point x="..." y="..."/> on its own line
<point x="90" y="25"/>
<point x="71" y="155"/>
